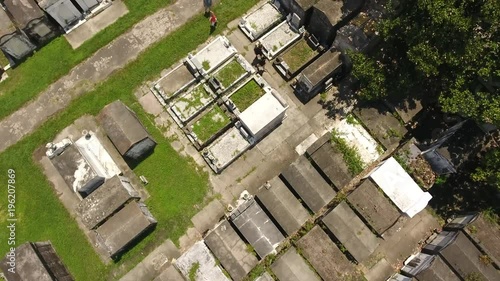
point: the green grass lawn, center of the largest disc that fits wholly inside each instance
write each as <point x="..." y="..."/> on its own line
<point x="247" y="95"/>
<point x="228" y="75"/>
<point x="176" y="185"/>
<point x="3" y="61"/>
<point x="298" y="55"/>
<point x="210" y="123"/>
<point x="56" y="58"/>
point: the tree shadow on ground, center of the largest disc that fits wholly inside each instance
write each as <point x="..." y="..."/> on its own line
<point x="459" y="193"/>
<point x="342" y="99"/>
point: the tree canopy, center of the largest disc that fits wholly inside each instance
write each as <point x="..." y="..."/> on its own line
<point x="489" y="169"/>
<point x="445" y="50"/>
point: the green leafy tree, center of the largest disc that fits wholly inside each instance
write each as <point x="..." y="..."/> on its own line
<point x="370" y="76"/>
<point x="448" y="50"/>
<point x="489" y="170"/>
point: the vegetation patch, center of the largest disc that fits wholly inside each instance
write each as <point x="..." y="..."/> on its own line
<point x="206" y="65"/>
<point x="391" y="133"/>
<point x="210" y="123"/>
<point x="402" y="159"/>
<point x="350" y="119"/>
<point x="3" y="61"/>
<point x="485" y="259"/>
<point x="194" y="99"/>
<point x="247" y="95"/>
<point x="251" y="250"/>
<point x="349" y="153"/>
<point x="474" y="276"/>
<point x="298" y="55"/>
<point x="433" y="213"/>
<point x="261" y="268"/>
<point x="192" y="271"/>
<point x="176" y="184"/>
<point x="230" y="73"/>
<point x="192" y="102"/>
<point x="491" y="216"/>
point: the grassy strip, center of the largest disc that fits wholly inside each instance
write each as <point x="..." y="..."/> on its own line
<point x="349" y="153"/>
<point x="56" y="58"/>
<point x="210" y="123"/>
<point x="175" y="185"/>
<point x="247" y="95"/>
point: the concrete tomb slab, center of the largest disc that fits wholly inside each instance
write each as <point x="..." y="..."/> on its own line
<point x="157" y="264"/>
<point x="292" y="267"/>
<point x="257" y="228"/>
<point x="256" y="23"/>
<point x="125" y="131"/>
<point x="283" y="206"/>
<point x="230" y="250"/>
<point x="264" y="115"/>
<point x="313" y="78"/>
<point x="375" y="208"/>
<point x="279" y="38"/>
<point x="199" y="256"/>
<point x="326" y="258"/>
<point x="225" y="149"/>
<point x="169" y="274"/>
<point x="382" y="124"/>
<point x="35" y="261"/>
<point x="105" y="201"/>
<point x="124" y="227"/>
<point x="400" y="187"/>
<point x="303" y="178"/>
<point x="351" y="231"/>
<point x="208" y="216"/>
<point x="330" y="161"/>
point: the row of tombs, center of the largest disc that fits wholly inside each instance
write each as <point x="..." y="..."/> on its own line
<point x="354" y="231"/>
<point x="284" y="205"/>
<point x="305" y="231"/>
<point x="454" y="254"/>
<point x="309" y="44"/>
<point x="363" y="228"/>
<point x="224" y="107"/>
<point x="29" y="24"/>
<point x="219" y="101"/>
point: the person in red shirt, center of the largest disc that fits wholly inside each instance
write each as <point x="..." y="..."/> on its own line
<point x="213" y="21"/>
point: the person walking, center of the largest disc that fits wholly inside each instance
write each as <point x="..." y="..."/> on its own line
<point x="207" y="4"/>
<point x="259" y="53"/>
<point x="260" y="61"/>
<point x="261" y="65"/>
<point x="213" y="21"/>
